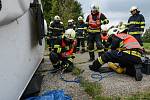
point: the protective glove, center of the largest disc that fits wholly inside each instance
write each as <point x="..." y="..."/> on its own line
<point x="74" y="43"/>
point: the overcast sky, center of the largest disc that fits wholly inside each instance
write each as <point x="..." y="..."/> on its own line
<point x="118" y="10"/>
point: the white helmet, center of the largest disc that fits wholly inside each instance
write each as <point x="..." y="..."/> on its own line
<point x="70" y="34"/>
<point x="56" y="18"/>
<point x="113" y="31"/>
<point x="70" y="21"/>
<point x="133" y="8"/>
<point x="80" y="18"/>
<point x="94" y="7"/>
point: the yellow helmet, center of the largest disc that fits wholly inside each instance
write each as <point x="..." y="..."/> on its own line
<point x="70" y="34"/>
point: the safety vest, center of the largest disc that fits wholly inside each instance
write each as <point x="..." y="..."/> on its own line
<point x="129" y="42"/>
<point x="94" y="24"/>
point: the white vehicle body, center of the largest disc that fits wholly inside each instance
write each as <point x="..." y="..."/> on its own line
<point x="20" y="52"/>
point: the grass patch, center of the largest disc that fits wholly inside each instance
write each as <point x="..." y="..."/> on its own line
<point x="77" y="71"/>
<point x="146" y="45"/>
<point x="91" y="88"/>
<point x="139" y="96"/>
<point x="94" y="90"/>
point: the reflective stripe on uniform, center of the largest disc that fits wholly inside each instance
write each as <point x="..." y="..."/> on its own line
<point x="142" y="23"/>
<point x="134" y="53"/>
<point x="100" y="60"/>
<point x="130" y="45"/>
<point x="56" y="46"/>
<point x="93" y="31"/>
<point x="100" y="50"/>
<point x="134" y="22"/>
<point x="142" y="26"/>
<point x="134" y="32"/>
<point x="58" y="50"/>
<point x="91" y="50"/>
<point x="121" y="44"/>
<point x="81" y="28"/>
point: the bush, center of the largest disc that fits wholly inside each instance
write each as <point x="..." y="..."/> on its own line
<point x="146" y="36"/>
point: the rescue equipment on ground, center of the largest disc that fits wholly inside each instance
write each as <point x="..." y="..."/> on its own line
<point x="116" y="67"/>
<point x="146" y="66"/>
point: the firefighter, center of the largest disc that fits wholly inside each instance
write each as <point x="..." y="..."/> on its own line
<point x="62" y="55"/>
<point x="81" y="34"/>
<point x="95" y="20"/>
<point x="136" y="24"/>
<point x="56" y="28"/>
<point x="125" y="50"/>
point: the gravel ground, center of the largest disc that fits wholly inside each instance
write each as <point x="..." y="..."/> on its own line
<point x="113" y="85"/>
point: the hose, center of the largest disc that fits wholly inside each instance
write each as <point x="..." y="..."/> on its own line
<point x="75" y="80"/>
<point x="100" y="76"/>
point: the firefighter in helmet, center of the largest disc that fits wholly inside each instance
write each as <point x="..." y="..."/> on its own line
<point x="125" y="50"/>
<point x="81" y="34"/>
<point x="62" y="54"/>
<point x="95" y="20"/>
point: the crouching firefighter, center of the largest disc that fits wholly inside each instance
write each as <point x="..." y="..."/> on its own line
<point x="62" y="55"/>
<point x="125" y="50"/>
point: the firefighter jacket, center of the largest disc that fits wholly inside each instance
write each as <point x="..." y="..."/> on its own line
<point x="81" y="28"/>
<point x="64" y="46"/>
<point x="56" y="28"/>
<point x="124" y="41"/>
<point x="95" y="21"/>
<point x="136" y="24"/>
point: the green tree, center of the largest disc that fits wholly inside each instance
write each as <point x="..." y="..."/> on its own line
<point x="47" y="7"/>
<point x="66" y="9"/>
<point x="146" y="37"/>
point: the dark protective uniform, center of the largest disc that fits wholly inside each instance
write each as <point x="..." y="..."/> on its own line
<point x="94" y="22"/>
<point x="56" y="29"/>
<point x="81" y="36"/>
<point x="126" y="51"/>
<point x="136" y="24"/>
<point x="62" y="54"/>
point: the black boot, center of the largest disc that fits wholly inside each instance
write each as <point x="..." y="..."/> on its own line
<point x="95" y="66"/>
<point x="138" y="73"/>
<point x="92" y="56"/>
